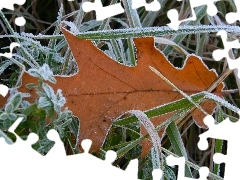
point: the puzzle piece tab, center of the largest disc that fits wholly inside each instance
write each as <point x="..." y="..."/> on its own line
<point x="9" y="55"/>
<point x="109" y="11"/>
<point x="14" y="155"/>
<point x="3" y="90"/>
<point x="20" y="21"/>
<point x="174" y="16"/>
<point x="102" y="169"/>
<point x="224" y="53"/>
<point x="58" y="149"/>
<point x="231" y="17"/>
<point x="225" y="130"/>
<point x="153" y="6"/>
<point x="20" y="156"/>
<point x="9" y="4"/>
<point x="180" y="162"/>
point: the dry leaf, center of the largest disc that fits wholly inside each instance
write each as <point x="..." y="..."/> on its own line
<point x="103" y="89"/>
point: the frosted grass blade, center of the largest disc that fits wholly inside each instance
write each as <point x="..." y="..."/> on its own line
<point x="153" y="31"/>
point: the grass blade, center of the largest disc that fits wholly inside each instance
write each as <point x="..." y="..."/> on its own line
<point x="177" y="144"/>
<point x="154" y="31"/>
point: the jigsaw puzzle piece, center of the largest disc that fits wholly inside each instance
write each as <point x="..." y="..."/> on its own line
<point x="86" y="145"/>
<point x="110" y="156"/>
<point x="5" y="161"/>
<point x="109" y="11"/>
<point x="23" y="146"/>
<point x="91" y="167"/>
<point x="231" y="17"/>
<point x="211" y="7"/>
<point x="20" y="156"/>
<point x="31" y="139"/>
<point x="157" y="174"/>
<point x="3" y="89"/>
<point x="58" y="149"/>
<point x="226" y="130"/>
<point x="173" y="17"/>
<point x="19" y="153"/>
<point x="173" y="14"/>
<point x="20" y="21"/>
<point x="231" y="163"/>
<point x="224" y="53"/>
<point x="219" y="158"/>
<point x="15" y="125"/>
<point x="216" y="131"/>
<point x="9" y="4"/>
<point x="3" y="147"/>
<point x="180" y="162"/>
<point x="153" y="6"/>
<point x="9" y="55"/>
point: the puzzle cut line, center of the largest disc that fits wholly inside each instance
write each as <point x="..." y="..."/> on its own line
<point x="232" y="17"/>
<point x="57" y="161"/>
<point x="224" y="53"/>
<point x="226" y="130"/>
<point x="116" y="9"/>
<point x="9" y="55"/>
<point x="9" y="4"/>
<point x="174" y="16"/>
<point x="97" y="5"/>
<point x="180" y="162"/>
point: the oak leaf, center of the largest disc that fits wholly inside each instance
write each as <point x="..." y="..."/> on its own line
<point x="103" y="89"/>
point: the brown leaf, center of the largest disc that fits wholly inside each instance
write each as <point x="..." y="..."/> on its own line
<point x="103" y="89"/>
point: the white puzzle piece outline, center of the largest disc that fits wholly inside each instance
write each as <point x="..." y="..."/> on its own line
<point x="9" y="55"/>
<point x="3" y="90"/>
<point x="153" y="6"/>
<point x="8" y="4"/>
<point x="226" y="130"/>
<point x="231" y="17"/>
<point x="116" y="9"/>
<point x="97" y="5"/>
<point x="223" y="53"/>
<point x="180" y="162"/>
<point x="57" y="161"/>
<point x="174" y="16"/>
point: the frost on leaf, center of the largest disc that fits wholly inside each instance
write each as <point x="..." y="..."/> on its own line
<point x="103" y="89"/>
